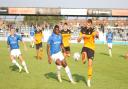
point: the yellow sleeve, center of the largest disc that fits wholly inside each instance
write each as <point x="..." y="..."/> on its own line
<point x="80" y="34"/>
<point x="42" y="35"/>
<point x="94" y="33"/>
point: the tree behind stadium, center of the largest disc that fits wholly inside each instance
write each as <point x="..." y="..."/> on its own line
<point x="42" y="19"/>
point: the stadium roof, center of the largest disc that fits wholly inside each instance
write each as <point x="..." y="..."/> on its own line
<point x="66" y="3"/>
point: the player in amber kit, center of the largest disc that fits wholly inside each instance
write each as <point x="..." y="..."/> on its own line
<point x="38" y="42"/>
<point x="88" y="34"/>
<point x="66" y="35"/>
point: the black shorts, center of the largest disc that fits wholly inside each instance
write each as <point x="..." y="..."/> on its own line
<point x="90" y="52"/>
<point x="39" y="45"/>
<point x="67" y="48"/>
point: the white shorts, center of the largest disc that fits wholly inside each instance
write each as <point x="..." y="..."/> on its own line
<point x="15" y="52"/>
<point x="31" y="38"/>
<point x="110" y="45"/>
<point x="58" y="55"/>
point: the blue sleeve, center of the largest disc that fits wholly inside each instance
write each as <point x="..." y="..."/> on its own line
<point x="49" y="40"/>
<point x="107" y="35"/>
<point x="61" y="40"/>
<point x="8" y="42"/>
<point x="112" y="35"/>
<point x="19" y="37"/>
<point x="30" y="32"/>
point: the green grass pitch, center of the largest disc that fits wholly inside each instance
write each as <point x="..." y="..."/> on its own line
<point x="108" y="72"/>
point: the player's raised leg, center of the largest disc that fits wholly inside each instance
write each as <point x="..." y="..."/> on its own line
<point x="84" y="57"/>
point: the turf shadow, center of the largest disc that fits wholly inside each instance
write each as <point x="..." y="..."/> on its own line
<point x="14" y="68"/>
<point x="79" y="78"/>
<point x="53" y="76"/>
<point x="122" y="56"/>
<point x="104" y="54"/>
<point x="50" y="75"/>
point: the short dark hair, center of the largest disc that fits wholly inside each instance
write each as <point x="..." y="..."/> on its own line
<point x="56" y="26"/>
<point x="12" y="27"/>
<point x="65" y="23"/>
<point x="89" y="20"/>
<point x="38" y="25"/>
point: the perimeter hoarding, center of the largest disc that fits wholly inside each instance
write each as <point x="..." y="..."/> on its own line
<point x="99" y="12"/>
<point x="21" y="11"/>
<point x="3" y="10"/>
<point x="48" y="11"/>
<point x="74" y="12"/>
<point x="63" y="11"/>
<point x="120" y="12"/>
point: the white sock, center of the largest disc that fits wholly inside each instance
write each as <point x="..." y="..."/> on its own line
<point x="68" y="73"/>
<point x="88" y="83"/>
<point x="16" y="63"/>
<point x="110" y="52"/>
<point x="25" y="66"/>
<point x="32" y="44"/>
<point x="58" y="70"/>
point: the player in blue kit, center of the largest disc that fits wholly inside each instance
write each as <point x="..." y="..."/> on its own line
<point x="15" y="52"/>
<point x="109" y="38"/>
<point x="32" y="33"/>
<point x="54" y="47"/>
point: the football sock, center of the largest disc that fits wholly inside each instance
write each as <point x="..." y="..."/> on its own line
<point x="58" y="73"/>
<point x="83" y="58"/>
<point x="88" y="83"/>
<point x="89" y="73"/>
<point x="25" y="66"/>
<point x="68" y="73"/>
<point x="40" y="53"/>
<point x="58" y="70"/>
<point x="32" y="44"/>
<point x="110" y="52"/>
<point x="16" y="63"/>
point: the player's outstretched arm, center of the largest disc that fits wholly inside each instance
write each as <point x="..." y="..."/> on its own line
<point x="8" y="46"/>
<point x="79" y="39"/>
<point x="82" y="36"/>
<point x="62" y="47"/>
<point x="48" y="54"/>
<point x="95" y="32"/>
<point x="24" y="44"/>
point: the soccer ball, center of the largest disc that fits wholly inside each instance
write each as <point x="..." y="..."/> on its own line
<point x="76" y="56"/>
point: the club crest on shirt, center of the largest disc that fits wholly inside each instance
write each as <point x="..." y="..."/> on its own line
<point x="14" y="38"/>
<point x="57" y="42"/>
